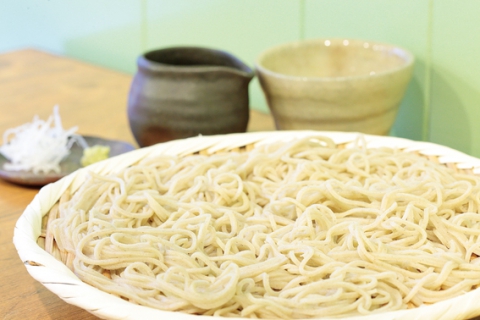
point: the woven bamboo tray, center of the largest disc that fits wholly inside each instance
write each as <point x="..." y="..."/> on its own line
<point x="32" y="241"/>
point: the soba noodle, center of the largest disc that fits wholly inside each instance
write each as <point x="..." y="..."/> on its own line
<point x="293" y="230"/>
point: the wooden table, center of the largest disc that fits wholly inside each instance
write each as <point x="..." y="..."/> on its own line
<point x="90" y="97"/>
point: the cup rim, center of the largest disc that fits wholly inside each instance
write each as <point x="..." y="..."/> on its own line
<point x="243" y="69"/>
<point x="400" y="51"/>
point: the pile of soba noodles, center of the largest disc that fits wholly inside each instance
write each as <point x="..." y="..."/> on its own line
<point x="302" y="229"/>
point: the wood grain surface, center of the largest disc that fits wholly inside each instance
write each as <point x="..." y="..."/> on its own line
<point x="90" y="97"/>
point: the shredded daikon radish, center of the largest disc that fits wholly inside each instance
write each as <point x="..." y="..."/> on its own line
<point x="40" y="145"/>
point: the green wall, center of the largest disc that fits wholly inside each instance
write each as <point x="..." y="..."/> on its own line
<point x="442" y="103"/>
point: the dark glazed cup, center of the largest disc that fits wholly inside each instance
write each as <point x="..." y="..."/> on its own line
<point x="186" y="91"/>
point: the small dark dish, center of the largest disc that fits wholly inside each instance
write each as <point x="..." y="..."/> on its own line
<point x="67" y="166"/>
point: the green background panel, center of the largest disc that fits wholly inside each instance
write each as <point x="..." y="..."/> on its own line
<point x="455" y="89"/>
<point x="441" y="104"/>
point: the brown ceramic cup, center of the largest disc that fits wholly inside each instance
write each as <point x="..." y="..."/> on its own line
<point x="182" y="92"/>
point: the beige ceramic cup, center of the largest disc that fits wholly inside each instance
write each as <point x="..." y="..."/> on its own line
<point x="335" y="84"/>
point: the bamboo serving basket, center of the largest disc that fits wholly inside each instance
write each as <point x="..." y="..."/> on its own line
<point x="33" y="243"/>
